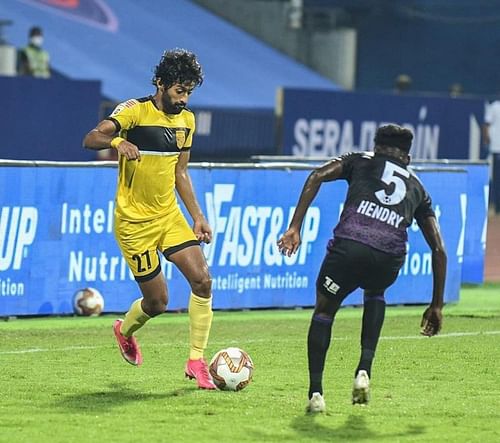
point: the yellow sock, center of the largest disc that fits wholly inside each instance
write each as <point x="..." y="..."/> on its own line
<point x="134" y="319"/>
<point x="200" y="321"/>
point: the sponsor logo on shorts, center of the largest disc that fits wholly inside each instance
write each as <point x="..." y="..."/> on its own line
<point x="330" y="285"/>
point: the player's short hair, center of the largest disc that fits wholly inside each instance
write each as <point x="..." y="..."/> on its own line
<point x="178" y="66"/>
<point x="394" y="136"/>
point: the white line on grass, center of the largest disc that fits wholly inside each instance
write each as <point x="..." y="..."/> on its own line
<point x="32" y="350"/>
<point x="449" y="335"/>
<point x="408" y="337"/>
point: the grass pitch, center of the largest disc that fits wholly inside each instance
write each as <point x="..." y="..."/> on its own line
<point x="63" y="380"/>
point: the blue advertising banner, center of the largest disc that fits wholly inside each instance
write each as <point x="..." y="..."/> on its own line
<point x="330" y="123"/>
<point x="56" y="238"/>
<point x="477" y="199"/>
<point x="477" y="223"/>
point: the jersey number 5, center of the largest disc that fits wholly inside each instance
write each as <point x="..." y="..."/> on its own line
<point x="392" y="175"/>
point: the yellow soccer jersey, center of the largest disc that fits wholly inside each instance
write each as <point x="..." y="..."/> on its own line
<point x="146" y="188"/>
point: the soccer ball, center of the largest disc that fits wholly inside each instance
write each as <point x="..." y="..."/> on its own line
<point x="231" y="369"/>
<point x="88" y="302"/>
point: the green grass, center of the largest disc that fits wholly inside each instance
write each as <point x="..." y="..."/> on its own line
<point x="63" y="380"/>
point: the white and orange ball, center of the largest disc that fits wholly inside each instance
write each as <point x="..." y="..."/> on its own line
<point x="88" y="302"/>
<point x="231" y="369"/>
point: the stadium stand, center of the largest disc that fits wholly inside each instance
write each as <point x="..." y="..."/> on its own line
<point x="120" y="41"/>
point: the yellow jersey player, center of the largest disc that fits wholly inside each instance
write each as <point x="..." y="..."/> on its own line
<point x="153" y="137"/>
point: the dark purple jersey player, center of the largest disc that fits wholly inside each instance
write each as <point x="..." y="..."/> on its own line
<point x="368" y="249"/>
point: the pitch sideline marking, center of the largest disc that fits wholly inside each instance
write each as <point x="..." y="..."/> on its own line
<point x="407" y="337"/>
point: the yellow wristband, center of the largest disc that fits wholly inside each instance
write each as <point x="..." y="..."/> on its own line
<point x="116" y="141"/>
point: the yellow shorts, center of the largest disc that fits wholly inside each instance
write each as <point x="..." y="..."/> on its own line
<point x="140" y="242"/>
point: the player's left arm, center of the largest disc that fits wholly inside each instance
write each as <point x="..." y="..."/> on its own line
<point x="185" y="189"/>
<point x="432" y="319"/>
<point x="289" y="243"/>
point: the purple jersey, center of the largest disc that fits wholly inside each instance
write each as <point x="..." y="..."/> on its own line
<point x="383" y="198"/>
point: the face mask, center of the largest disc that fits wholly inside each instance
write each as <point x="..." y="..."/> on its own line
<point x="37" y="40"/>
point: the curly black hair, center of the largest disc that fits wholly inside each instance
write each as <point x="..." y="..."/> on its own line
<point x="394" y="136"/>
<point x="178" y="66"/>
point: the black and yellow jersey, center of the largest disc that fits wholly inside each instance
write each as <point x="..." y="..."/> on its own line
<point x="146" y="188"/>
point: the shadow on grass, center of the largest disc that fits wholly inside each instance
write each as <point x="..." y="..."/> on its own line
<point x="115" y="396"/>
<point x="307" y="428"/>
<point x="354" y="428"/>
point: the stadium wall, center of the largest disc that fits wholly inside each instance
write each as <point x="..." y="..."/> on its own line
<point x="49" y="119"/>
<point x="45" y="119"/>
<point x="56" y="237"/>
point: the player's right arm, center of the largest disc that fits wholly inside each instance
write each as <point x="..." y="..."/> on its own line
<point x="105" y="136"/>
<point x="432" y="318"/>
<point x="289" y="243"/>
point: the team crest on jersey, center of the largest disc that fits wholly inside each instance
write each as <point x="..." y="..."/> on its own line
<point x="180" y="138"/>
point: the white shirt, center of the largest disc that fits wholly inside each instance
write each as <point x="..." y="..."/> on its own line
<point x="492" y="117"/>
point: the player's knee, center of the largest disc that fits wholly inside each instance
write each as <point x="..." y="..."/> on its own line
<point x="326" y="307"/>
<point x="322" y="317"/>
<point x="374" y="294"/>
<point x="202" y="286"/>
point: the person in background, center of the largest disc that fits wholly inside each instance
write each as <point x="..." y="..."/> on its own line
<point x="491" y="137"/>
<point x="33" y="60"/>
<point x="367" y="250"/>
<point x="456" y="90"/>
<point x="153" y="136"/>
<point x="402" y="84"/>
